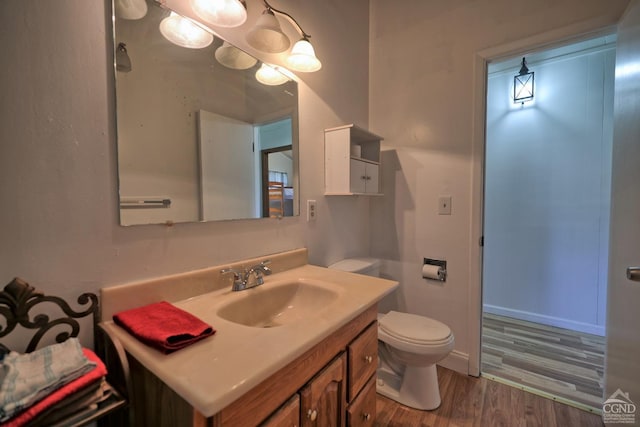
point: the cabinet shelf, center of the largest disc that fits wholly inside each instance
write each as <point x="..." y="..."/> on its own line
<point x="373" y="162"/>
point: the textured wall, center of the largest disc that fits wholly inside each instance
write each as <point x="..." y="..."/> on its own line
<point x="58" y="174"/>
<point x="421" y="86"/>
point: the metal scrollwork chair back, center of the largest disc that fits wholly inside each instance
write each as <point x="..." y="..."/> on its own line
<point x="19" y="298"/>
<point x="18" y="302"/>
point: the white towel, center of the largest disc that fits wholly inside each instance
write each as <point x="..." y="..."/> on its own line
<point x="27" y="378"/>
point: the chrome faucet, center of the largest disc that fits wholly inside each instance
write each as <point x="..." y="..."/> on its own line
<point x="242" y="278"/>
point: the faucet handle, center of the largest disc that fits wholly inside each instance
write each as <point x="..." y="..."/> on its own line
<point x="266" y="270"/>
<point x="236" y="273"/>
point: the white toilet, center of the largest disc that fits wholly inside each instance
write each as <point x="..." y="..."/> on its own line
<point x="409" y="346"/>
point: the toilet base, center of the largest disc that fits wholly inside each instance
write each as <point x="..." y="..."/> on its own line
<point x="418" y="388"/>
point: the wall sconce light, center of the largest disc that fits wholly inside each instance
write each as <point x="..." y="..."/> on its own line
<point x="523" y="84"/>
<point x="234" y="58"/>
<point x="184" y="32"/>
<point x="270" y="75"/>
<point x="223" y="13"/>
<point x="267" y="36"/>
<point x="123" y="62"/>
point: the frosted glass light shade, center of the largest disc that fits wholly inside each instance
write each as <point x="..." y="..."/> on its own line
<point x="303" y="57"/>
<point x="221" y="13"/>
<point x="184" y="32"/>
<point x="130" y="9"/>
<point x="267" y="35"/>
<point x="270" y="76"/>
<point x="232" y="57"/>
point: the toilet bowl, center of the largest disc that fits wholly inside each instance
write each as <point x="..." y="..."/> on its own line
<point x="409" y="346"/>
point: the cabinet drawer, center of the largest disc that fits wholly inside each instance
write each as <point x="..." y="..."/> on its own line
<point x="362" y="411"/>
<point x="287" y="416"/>
<point x="363" y="359"/>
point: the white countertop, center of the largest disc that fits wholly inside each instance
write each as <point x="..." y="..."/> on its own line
<point x="216" y="371"/>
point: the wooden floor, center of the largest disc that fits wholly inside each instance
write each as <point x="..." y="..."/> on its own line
<point x="558" y="361"/>
<point x="469" y="401"/>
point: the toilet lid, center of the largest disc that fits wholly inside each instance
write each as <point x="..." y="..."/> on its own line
<point x="414" y="328"/>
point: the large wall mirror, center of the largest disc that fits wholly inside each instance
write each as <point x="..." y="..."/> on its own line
<point x="199" y="140"/>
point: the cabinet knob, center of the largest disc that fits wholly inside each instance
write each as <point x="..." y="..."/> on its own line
<point x="368" y="359"/>
<point x="368" y="178"/>
<point x="366" y="416"/>
<point x="363" y="177"/>
<point x="312" y="414"/>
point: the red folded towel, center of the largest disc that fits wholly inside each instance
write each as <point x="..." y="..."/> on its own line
<point x="62" y="393"/>
<point x="163" y="326"/>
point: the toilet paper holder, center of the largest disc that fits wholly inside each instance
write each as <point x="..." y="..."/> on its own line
<point x="442" y="271"/>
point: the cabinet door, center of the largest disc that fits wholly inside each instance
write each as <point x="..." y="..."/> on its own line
<point x="371" y="173"/>
<point x="358" y="176"/>
<point x="287" y="416"/>
<point x="362" y="412"/>
<point x="323" y="399"/>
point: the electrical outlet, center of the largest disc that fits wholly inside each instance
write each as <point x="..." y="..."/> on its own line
<point x="312" y="212"/>
<point x="444" y="205"/>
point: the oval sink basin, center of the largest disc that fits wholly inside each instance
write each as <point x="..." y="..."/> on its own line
<point x="277" y="304"/>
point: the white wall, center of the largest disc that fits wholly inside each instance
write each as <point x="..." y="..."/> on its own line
<point x="547" y="192"/>
<point x="421" y="89"/>
<point x="58" y="176"/>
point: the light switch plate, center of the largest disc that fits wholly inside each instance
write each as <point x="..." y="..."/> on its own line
<point x="444" y="205"/>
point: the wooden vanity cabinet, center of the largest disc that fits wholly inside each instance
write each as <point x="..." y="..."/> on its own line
<point x="335" y="378"/>
<point x="363" y="359"/>
<point x="362" y="411"/>
<point x="287" y="416"/>
<point x="323" y="399"/>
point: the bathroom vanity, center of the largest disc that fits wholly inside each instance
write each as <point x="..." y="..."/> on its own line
<point x="299" y="350"/>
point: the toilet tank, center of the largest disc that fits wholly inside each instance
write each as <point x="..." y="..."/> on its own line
<point x="366" y="266"/>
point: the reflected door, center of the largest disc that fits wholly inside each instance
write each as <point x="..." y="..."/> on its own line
<point x="227" y="171"/>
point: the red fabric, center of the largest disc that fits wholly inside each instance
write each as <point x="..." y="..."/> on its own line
<point x="62" y="393"/>
<point x="163" y="326"/>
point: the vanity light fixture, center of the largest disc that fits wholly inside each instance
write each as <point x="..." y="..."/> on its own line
<point x="221" y="13"/>
<point x="123" y="62"/>
<point x="523" y="84"/>
<point x="267" y="36"/>
<point x="234" y="58"/>
<point x="130" y="9"/>
<point x="184" y="32"/>
<point x="270" y="75"/>
<point x="303" y="56"/>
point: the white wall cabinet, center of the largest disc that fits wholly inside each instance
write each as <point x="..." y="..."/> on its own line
<point x="352" y="161"/>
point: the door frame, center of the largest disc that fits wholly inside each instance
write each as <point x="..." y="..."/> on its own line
<point x="264" y="173"/>
<point x="566" y="35"/>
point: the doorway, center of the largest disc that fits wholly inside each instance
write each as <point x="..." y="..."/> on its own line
<point x="546" y="221"/>
<point x="276" y="165"/>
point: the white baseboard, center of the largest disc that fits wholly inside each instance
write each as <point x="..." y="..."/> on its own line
<point x="588" y="328"/>
<point x="456" y="361"/>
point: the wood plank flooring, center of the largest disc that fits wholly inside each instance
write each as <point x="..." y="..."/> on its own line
<point x="470" y="401"/>
<point x="557" y="361"/>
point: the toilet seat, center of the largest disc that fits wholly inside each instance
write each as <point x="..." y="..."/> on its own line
<point x="413" y="333"/>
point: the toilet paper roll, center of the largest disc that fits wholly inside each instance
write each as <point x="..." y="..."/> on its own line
<point x="434" y="272"/>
